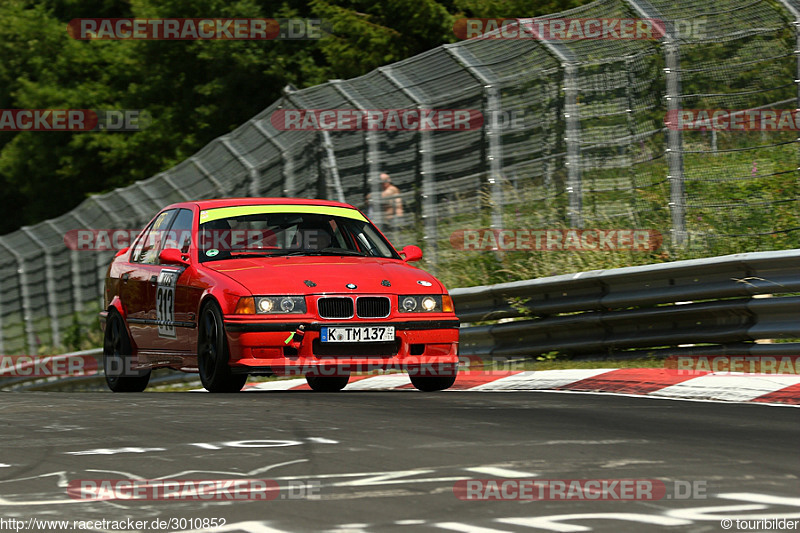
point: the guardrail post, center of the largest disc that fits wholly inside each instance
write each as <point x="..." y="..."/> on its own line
<point x="50" y="286"/>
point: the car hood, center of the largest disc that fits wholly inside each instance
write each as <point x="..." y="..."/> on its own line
<point x="288" y="275"/>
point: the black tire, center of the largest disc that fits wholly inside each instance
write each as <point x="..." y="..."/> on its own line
<point x="213" y="355"/>
<point x="117" y="355"/>
<point x="327" y="383"/>
<point x="432" y="383"/>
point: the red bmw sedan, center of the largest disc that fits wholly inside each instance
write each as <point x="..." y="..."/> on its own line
<point x="273" y="286"/>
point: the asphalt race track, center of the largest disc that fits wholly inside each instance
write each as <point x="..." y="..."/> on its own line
<point x="388" y="461"/>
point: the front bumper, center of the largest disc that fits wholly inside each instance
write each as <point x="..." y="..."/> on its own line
<point x="426" y="347"/>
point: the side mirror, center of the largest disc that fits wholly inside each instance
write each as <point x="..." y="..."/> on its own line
<point x="411" y="253"/>
<point x="172" y="256"/>
<point x="123" y="251"/>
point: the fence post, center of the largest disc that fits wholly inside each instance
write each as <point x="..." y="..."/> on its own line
<point x="677" y="194"/>
<point x="573" y="141"/>
<point x="288" y="164"/>
<point x="572" y="138"/>
<point x="75" y="277"/>
<point x="27" y="312"/>
<point x="794" y="9"/>
<point x="493" y="135"/>
<point x="373" y="157"/>
<point x="102" y="264"/>
<point x="175" y="186"/>
<point x="332" y="181"/>
<point x="156" y="201"/>
<point x="252" y="170"/>
<point x="210" y="177"/>
<point x="430" y="236"/>
<point x="50" y="286"/>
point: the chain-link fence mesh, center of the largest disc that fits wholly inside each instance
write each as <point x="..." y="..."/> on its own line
<point x="591" y="150"/>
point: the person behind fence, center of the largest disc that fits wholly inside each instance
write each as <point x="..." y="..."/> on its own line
<point x="391" y="201"/>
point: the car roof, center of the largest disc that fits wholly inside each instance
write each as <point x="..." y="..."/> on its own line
<point x="229" y="202"/>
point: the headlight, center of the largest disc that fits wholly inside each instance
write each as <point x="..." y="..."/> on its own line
<point x="280" y="305"/>
<point x="421" y="303"/>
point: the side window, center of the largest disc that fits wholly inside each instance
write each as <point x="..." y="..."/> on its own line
<point x="137" y="248"/>
<point x="151" y="242"/>
<point x="180" y="233"/>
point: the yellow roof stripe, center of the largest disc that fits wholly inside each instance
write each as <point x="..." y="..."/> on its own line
<point x="207" y="215"/>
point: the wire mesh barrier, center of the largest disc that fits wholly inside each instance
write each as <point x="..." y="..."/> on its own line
<point x="576" y="133"/>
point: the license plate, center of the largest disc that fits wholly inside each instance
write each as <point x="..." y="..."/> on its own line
<point x="357" y="334"/>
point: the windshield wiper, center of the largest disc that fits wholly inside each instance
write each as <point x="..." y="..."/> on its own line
<point x="336" y="251"/>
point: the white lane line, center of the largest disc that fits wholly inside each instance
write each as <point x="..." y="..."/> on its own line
<point x="500" y="472"/>
<point x="381" y="381"/>
<point x="466" y="528"/>
<point x="542" y="379"/>
<point x="736" y="387"/>
<point x="280" y="384"/>
<point x="555" y="522"/>
<point x="760" y="498"/>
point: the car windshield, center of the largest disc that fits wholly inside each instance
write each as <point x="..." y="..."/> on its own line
<point x="274" y="234"/>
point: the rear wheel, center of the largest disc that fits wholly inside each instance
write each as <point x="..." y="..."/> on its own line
<point x="432" y="383"/>
<point x="117" y="356"/>
<point x="213" y="354"/>
<point x="327" y="383"/>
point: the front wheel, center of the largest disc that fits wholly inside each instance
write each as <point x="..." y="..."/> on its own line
<point x="432" y="383"/>
<point x="213" y="354"/>
<point x="117" y="355"/>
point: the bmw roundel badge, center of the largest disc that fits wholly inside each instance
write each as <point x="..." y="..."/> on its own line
<point x="351" y="286"/>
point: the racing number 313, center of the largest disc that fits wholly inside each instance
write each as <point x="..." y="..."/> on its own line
<point x="165" y="303"/>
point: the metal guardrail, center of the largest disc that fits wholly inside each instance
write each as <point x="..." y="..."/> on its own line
<point x="711" y="304"/>
<point x="701" y="306"/>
